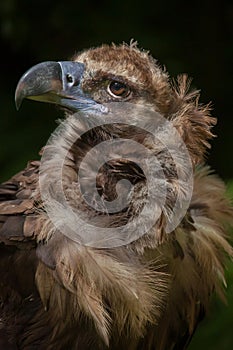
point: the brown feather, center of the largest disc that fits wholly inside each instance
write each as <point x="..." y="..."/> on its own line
<point x="149" y="294"/>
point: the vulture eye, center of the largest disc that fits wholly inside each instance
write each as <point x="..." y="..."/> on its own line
<point x="117" y="89"/>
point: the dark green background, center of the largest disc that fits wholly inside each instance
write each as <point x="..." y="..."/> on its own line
<point x="191" y="37"/>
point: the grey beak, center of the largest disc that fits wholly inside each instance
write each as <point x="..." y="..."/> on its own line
<point x="51" y="82"/>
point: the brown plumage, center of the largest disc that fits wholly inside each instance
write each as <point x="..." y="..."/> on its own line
<point x="57" y="293"/>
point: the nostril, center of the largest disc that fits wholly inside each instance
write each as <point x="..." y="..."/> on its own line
<point x="69" y="78"/>
<point x="70" y="73"/>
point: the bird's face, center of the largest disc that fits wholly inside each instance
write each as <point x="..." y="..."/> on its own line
<point x="96" y="77"/>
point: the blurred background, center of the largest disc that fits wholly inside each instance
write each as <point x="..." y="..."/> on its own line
<point x="194" y="38"/>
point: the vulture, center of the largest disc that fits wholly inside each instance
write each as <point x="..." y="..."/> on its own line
<point x="119" y="236"/>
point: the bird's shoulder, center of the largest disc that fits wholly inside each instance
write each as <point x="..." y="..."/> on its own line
<point x="18" y="260"/>
<point x="18" y="201"/>
<point x="18" y="226"/>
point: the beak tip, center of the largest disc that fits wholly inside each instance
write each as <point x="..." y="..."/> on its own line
<point x="38" y="81"/>
<point x="18" y="99"/>
<point x="17" y="106"/>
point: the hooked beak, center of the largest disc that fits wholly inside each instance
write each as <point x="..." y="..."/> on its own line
<point x="58" y="83"/>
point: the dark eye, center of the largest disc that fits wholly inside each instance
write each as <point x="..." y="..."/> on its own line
<point x="117" y="89"/>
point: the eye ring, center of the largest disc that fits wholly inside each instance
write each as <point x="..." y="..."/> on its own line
<point x="118" y="89"/>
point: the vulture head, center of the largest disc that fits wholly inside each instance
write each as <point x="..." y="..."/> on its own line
<point x="128" y="226"/>
<point x="98" y="77"/>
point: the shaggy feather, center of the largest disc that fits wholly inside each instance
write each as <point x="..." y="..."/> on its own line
<point x="57" y="292"/>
